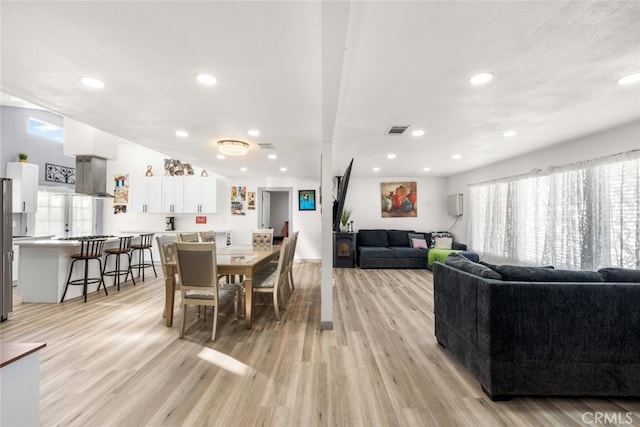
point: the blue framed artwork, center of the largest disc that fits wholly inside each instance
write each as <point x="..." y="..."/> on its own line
<point x="307" y="200"/>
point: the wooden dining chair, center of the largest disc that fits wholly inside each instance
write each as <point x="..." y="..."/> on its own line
<point x="262" y="238"/>
<point x="198" y="272"/>
<point x="188" y="237"/>
<point x="292" y="252"/>
<point x="167" y="250"/>
<point x="208" y="236"/>
<point x="273" y="282"/>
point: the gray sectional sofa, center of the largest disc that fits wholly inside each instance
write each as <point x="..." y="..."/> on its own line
<point x="540" y="331"/>
<point x="379" y="248"/>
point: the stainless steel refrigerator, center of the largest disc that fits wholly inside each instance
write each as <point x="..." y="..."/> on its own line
<point x="6" y="240"/>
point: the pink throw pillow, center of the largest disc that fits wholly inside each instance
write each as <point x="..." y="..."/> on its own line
<point x="419" y="243"/>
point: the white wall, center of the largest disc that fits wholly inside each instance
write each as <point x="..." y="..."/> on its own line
<point x="133" y="160"/>
<point x="364" y="199"/>
<point x="612" y="141"/>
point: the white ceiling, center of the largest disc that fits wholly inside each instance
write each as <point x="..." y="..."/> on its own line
<point x="302" y="79"/>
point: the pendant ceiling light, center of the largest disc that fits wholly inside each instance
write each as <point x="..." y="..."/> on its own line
<point x="232" y="147"/>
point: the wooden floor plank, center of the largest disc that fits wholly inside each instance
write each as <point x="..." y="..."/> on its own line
<point x="112" y="362"/>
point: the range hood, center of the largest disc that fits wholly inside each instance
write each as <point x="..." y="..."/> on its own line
<point x="91" y="176"/>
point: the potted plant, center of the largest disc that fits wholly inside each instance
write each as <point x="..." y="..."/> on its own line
<point x="22" y="157"/>
<point x="344" y="220"/>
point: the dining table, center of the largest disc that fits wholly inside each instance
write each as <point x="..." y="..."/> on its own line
<point x="231" y="260"/>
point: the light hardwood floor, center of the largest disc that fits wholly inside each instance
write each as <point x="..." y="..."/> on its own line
<point x="112" y="362"/>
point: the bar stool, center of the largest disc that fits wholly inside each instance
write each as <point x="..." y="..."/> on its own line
<point x="89" y="250"/>
<point x="146" y="241"/>
<point x="124" y="248"/>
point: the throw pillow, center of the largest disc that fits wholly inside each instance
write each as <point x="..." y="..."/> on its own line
<point x="435" y="235"/>
<point x="419" y="243"/>
<point x="412" y="236"/>
<point x="613" y="274"/>
<point x="540" y="274"/>
<point x="458" y="261"/>
<point x="444" y="242"/>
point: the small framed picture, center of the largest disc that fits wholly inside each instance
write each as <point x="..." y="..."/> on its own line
<point x="307" y="200"/>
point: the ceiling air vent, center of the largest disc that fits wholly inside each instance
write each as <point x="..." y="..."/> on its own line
<point x="396" y="129"/>
<point x="266" y="146"/>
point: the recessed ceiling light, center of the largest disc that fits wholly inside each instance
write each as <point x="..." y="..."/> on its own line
<point x="283" y="169"/>
<point x="253" y="132"/>
<point x="91" y="82"/>
<point x="221" y="156"/>
<point x="391" y="156"/>
<point x="417" y="132"/>
<point x="456" y="156"/>
<point x="426" y="169"/>
<point x="206" y="79"/>
<point x="481" y="79"/>
<point x="509" y="133"/>
<point x="272" y="156"/>
<point x="243" y="169"/>
<point x="630" y="79"/>
<point x="182" y="133"/>
<point x="376" y="169"/>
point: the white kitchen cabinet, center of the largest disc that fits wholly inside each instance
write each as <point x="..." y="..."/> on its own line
<point x="173" y="194"/>
<point x="200" y="195"/>
<point x="145" y="194"/>
<point x="25" y="186"/>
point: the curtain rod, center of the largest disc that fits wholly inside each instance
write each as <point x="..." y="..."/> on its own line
<point x="612" y="158"/>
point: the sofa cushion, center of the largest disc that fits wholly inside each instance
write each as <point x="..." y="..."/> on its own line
<point x="399" y="252"/>
<point x="412" y="236"/>
<point x="373" y="238"/>
<point x="398" y="238"/>
<point x="460" y="262"/>
<point x="541" y="274"/>
<point x="375" y="252"/>
<point x="612" y="274"/>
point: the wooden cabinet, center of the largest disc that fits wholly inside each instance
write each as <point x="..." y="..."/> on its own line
<point x="145" y="195"/>
<point x="25" y="186"/>
<point x="200" y="195"/>
<point x="173" y="195"/>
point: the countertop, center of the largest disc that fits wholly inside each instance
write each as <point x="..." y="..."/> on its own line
<point x="57" y="243"/>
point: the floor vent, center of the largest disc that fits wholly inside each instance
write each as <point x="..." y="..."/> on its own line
<point x="396" y="129"/>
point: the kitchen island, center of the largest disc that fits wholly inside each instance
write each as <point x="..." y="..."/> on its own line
<point x="44" y="267"/>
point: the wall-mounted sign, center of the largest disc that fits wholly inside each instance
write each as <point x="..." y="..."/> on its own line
<point x="201" y="219"/>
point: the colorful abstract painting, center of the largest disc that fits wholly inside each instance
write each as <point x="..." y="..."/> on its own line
<point x="399" y="199"/>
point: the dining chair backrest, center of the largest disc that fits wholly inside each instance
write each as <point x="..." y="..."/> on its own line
<point x="208" y="236"/>
<point x="188" y="237"/>
<point x="197" y="266"/>
<point x="262" y="239"/>
<point x="167" y="248"/>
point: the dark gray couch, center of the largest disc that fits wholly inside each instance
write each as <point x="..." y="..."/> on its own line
<point x="571" y="334"/>
<point x="377" y="248"/>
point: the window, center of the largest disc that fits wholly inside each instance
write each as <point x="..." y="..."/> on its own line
<point x="45" y="130"/>
<point x="584" y="216"/>
<point x="65" y="214"/>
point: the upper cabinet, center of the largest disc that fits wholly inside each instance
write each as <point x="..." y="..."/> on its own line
<point x="25" y="186"/>
<point x="174" y="195"/>
<point x="145" y="194"/>
<point x="200" y="195"/>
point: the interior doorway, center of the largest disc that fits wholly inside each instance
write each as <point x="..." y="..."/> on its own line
<point x="275" y="210"/>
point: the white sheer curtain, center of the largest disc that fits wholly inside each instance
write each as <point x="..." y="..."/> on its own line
<point x="583" y="216"/>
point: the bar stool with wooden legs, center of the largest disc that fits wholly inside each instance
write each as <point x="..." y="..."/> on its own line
<point x="89" y="250"/>
<point x="146" y="241"/>
<point x="124" y="248"/>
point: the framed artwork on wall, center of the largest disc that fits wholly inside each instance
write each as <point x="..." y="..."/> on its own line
<point x="399" y="199"/>
<point x="307" y="200"/>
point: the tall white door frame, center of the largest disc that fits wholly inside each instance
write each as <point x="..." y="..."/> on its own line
<point x="259" y="196"/>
